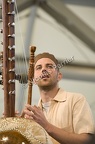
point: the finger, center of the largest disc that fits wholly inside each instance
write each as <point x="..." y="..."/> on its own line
<point x="26" y="116"/>
<point x="22" y="114"/>
<point x="37" y="107"/>
<point x="29" y="116"/>
<point x="32" y="113"/>
<point x="28" y="112"/>
<point x="27" y="106"/>
<point x="37" y="110"/>
<point x="30" y="108"/>
<point x="16" y="112"/>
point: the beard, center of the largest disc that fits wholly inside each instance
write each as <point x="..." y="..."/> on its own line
<point x="46" y="84"/>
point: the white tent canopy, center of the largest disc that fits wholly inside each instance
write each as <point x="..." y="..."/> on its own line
<point x="36" y="26"/>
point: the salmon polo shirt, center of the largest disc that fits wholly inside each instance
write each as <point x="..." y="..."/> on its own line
<point x="70" y="112"/>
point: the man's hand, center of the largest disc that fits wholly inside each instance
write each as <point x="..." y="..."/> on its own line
<point x="36" y="114"/>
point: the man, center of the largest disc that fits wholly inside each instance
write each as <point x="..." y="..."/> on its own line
<point x="65" y="116"/>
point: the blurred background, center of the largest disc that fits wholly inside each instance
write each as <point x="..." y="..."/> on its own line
<point x="65" y="28"/>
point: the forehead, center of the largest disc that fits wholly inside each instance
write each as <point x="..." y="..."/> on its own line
<point x="44" y="61"/>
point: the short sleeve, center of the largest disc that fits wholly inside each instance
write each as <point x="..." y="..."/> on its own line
<point x="83" y="121"/>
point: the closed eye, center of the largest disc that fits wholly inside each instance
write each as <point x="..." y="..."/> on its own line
<point x="50" y="66"/>
<point x="38" y="67"/>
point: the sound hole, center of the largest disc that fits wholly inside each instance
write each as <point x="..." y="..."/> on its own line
<point x="12" y="137"/>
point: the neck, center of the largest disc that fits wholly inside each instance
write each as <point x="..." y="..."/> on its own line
<point x="47" y="95"/>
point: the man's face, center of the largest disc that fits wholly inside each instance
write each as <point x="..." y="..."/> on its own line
<point x="45" y="73"/>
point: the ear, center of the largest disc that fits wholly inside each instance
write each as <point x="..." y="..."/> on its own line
<point x="59" y="76"/>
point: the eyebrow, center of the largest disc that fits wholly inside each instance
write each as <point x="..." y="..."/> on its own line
<point x="45" y="64"/>
<point x="37" y="65"/>
<point x="49" y="64"/>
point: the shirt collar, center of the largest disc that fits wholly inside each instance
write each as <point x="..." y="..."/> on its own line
<point x="60" y="97"/>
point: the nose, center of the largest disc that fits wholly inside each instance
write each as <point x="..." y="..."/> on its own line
<point x="44" y="71"/>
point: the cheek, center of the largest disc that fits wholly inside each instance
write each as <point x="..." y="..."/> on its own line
<point x="56" y="76"/>
<point x="36" y="74"/>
